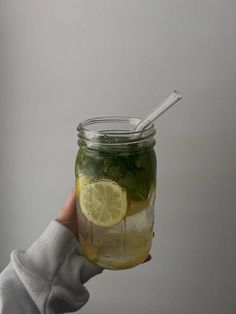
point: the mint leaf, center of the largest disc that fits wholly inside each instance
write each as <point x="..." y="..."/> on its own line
<point x="134" y="171"/>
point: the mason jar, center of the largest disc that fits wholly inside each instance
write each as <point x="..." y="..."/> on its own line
<point x="115" y="191"/>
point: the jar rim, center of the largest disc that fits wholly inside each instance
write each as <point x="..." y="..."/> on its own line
<point x="115" y="136"/>
<point x="133" y="121"/>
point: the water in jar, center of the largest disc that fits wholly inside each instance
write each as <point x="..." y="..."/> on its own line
<point x="115" y="194"/>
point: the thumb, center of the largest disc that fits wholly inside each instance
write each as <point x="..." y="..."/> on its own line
<point x="67" y="216"/>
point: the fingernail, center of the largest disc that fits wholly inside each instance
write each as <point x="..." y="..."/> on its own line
<point x="148" y="258"/>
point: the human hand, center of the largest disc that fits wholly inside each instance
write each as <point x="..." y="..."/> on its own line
<point x="67" y="216"/>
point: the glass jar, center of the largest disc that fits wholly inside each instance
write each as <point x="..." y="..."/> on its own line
<point x="115" y="191"/>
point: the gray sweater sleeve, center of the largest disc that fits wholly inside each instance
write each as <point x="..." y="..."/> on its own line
<point x="48" y="278"/>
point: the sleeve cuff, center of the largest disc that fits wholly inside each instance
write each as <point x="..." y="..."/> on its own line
<point x="49" y="251"/>
<point x="53" y="267"/>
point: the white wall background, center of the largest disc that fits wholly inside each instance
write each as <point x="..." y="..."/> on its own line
<point x="64" y="61"/>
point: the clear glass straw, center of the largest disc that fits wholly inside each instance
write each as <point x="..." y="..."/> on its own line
<point x="158" y="110"/>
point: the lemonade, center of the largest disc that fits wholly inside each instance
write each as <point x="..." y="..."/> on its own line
<point x="115" y="193"/>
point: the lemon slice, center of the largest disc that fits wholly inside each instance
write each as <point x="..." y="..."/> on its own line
<point x="81" y="181"/>
<point x="103" y="202"/>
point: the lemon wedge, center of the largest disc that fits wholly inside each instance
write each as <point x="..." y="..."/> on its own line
<point x="103" y="202"/>
<point x="81" y="181"/>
